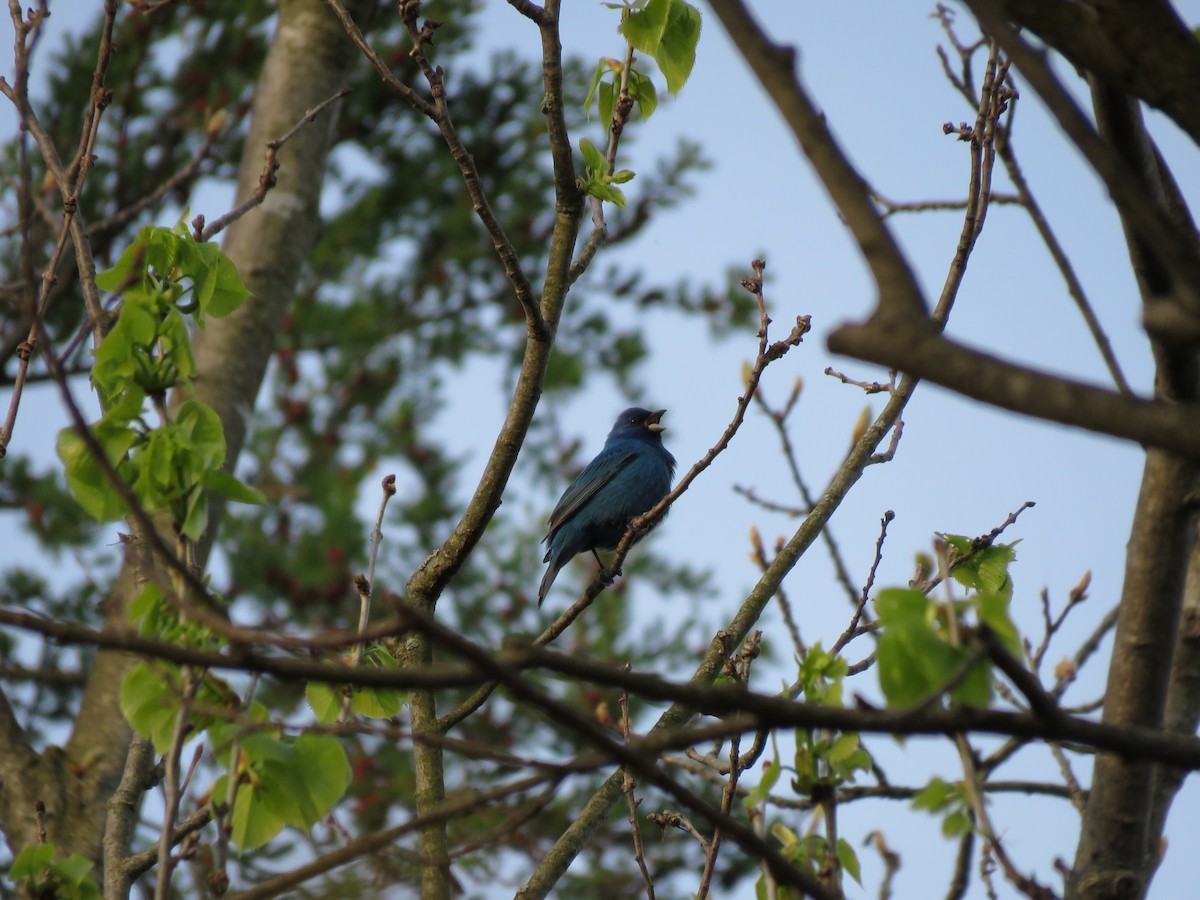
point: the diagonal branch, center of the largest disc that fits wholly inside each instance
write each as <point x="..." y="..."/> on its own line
<point x="899" y="334"/>
<point x="266" y="180"/>
<point x="774" y="66"/>
<point x="439" y="113"/>
<point x="1137" y="207"/>
<point x="628" y="756"/>
<point x="1107" y="38"/>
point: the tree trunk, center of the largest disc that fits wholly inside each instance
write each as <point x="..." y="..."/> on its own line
<point x="309" y="59"/>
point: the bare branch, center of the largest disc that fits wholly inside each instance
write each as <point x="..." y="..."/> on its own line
<point x="266" y="180"/>
<point x="190" y="683"/>
<point x="628" y="786"/>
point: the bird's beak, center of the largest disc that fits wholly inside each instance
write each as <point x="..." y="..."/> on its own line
<point x="653" y="421"/>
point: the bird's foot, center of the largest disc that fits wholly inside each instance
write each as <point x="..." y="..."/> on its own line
<point x="608" y="576"/>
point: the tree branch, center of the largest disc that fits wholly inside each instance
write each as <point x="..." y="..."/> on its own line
<point x="1142" y="47"/>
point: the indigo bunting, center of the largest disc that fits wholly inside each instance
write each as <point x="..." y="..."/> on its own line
<point x="631" y="474"/>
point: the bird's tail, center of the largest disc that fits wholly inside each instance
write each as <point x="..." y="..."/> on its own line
<point x="548" y="580"/>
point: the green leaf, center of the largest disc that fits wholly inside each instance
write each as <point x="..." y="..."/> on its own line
<point x="281" y="786"/>
<point x="770" y="777"/>
<point x="325" y="702"/>
<point x="607" y="192"/>
<point x="644" y="94"/>
<point x="65" y="880"/>
<point x="145" y="610"/>
<point x="287" y="783"/>
<point x="986" y="569"/>
<point x="378" y="702"/>
<point x="677" y="53"/>
<point x="960" y="543"/>
<point x="956" y="824"/>
<point x="643" y="28"/>
<point x="223" y="288"/>
<point x="804" y="762"/>
<point x="117" y="356"/>
<point x="150" y="703"/>
<point x="232" y="488"/>
<point x="201" y="427"/>
<point x="668" y="31"/>
<point x="88" y="482"/>
<point x="153" y="469"/>
<point x="915" y="659"/>
<point x="136" y="325"/>
<point x="74" y="869"/>
<point x="326" y="772"/>
<point x="858" y="761"/>
<point x="934" y="796"/>
<point x="976" y="688"/>
<point x="131" y="261"/>
<point x="177" y="343"/>
<point x="195" y="516"/>
<point x="605" y="101"/>
<point x="168" y="250"/>
<point x="993" y="612"/>
<point x="992" y="565"/>
<point x="784" y="835"/>
<point x="601" y="68"/>
<point x="32" y="862"/>
<point x="592" y="157"/>
<point x="848" y="860"/>
<point x="251" y="823"/>
<point x="843" y="748"/>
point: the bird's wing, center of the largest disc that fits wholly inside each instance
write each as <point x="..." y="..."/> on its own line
<point x="599" y="472"/>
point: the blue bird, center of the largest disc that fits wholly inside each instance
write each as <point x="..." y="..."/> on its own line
<point x="631" y="474"/>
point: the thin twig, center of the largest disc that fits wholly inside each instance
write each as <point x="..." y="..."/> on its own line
<point x="1077" y="595"/>
<point x="1077" y="794"/>
<point x="169" y="186"/>
<point x="439" y="113"/>
<point x="233" y="782"/>
<point x="793" y="512"/>
<point x="778" y="419"/>
<point x="266" y="180"/>
<point x="468" y="804"/>
<point x="891" y="207"/>
<point x="891" y="862"/>
<point x="1135" y="204"/>
<point x="189" y="684"/>
<point x="961" y="879"/>
<point x="1132" y="741"/>
<point x="1026" y="682"/>
<point x="365" y="587"/>
<point x="785" y="604"/>
<point x="1068" y="674"/>
<point x="628" y="787"/>
<point x="587" y="728"/>
<point x="670" y="819"/>
<point x="529" y="10"/>
<point x="852" y="629"/>
<point x="622" y="106"/>
<point x="1026" y="884"/>
<point x="138" y="864"/>
<point x="419" y="103"/>
<point x="740" y="670"/>
<point x="70" y="186"/>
